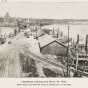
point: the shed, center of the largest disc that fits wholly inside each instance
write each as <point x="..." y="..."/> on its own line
<point x="50" y="45"/>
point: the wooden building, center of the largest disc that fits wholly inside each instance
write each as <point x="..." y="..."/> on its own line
<point x="52" y="46"/>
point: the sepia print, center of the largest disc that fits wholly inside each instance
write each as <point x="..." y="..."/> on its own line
<point x="43" y="39"/>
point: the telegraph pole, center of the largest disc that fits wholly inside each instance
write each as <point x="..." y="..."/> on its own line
<point x="68" y="55"/>
<point x="77" y="59"/>
<point x="86" y="45"/>
<point x="86" y="49"/>
<point x="77" y="56"/>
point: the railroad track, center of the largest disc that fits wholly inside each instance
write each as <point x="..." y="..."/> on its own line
<point x="44" y="60"/>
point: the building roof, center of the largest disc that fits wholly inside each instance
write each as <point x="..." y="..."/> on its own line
<point x="46" y="39"/>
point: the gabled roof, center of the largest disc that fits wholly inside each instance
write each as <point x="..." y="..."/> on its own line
<point x="45" y="40"/>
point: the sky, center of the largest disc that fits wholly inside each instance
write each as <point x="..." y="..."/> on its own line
<point x="51" y="10"/>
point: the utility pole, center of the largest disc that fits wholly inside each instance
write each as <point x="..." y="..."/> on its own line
<point x="36" y="29"/>
<point x="77" y="55"/>
<point x="86" y="45"/>
<point x="53" y="31"/>
<point x="68" y="55"/>
<point x="58" y="32"/>
<point x="86" y="50"/>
